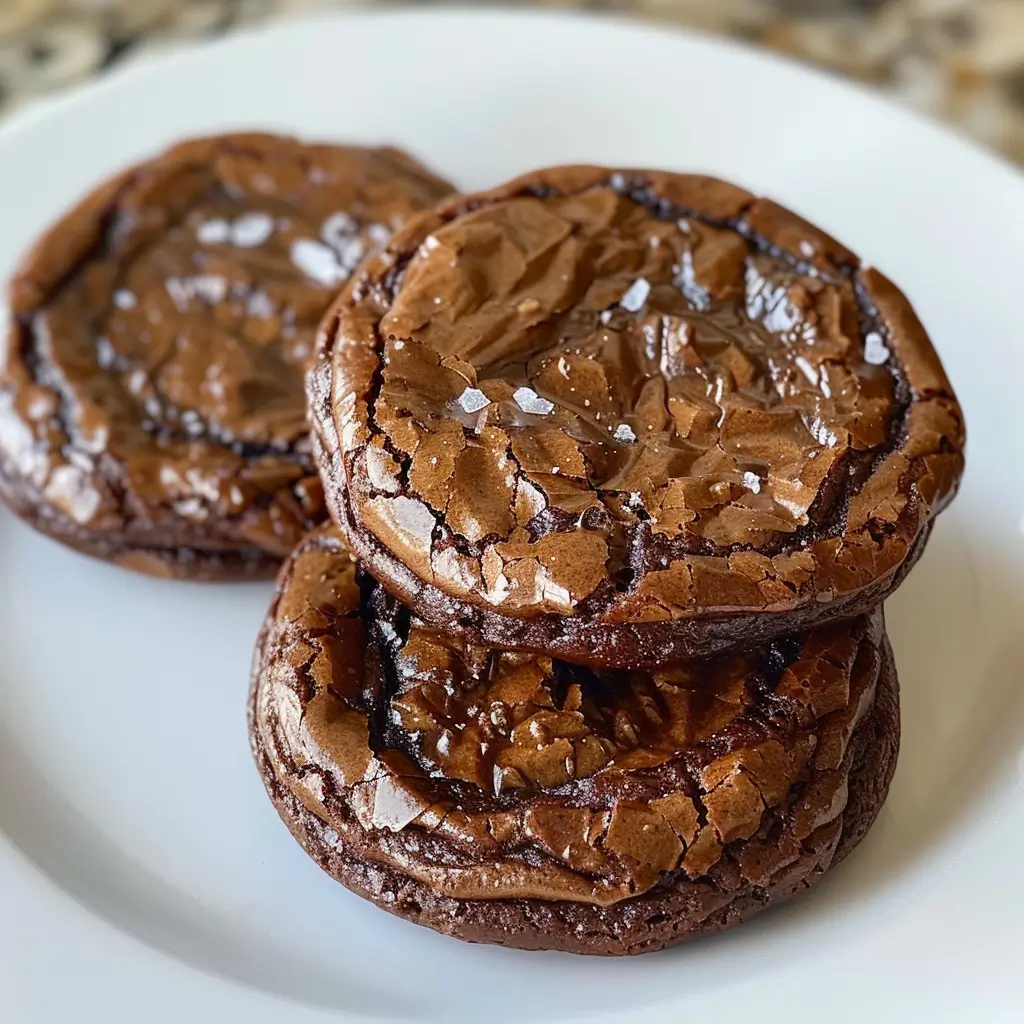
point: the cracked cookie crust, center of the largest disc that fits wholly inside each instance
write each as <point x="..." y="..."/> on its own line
<point x="511" y="798"/>
<point x="624" y="417"/>
<point x="152" y="409"/>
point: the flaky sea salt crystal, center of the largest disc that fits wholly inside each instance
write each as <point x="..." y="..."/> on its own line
<point x="875" y="351"/>
<point x="106" y="354"/>
<point x="213" y="232"/>
<point x="624" y="433"/>
<point x="430" y="243"/>
<point x="338" y="228"/>
<point x="350" y="252"/>
<point x="210" y="288"/>
<point x="178" y="292"/>
<point x="806" y="369"/>
<point x="473" y="400"/>
<point x="125" y="299"/>
<point x="555" y="592"/>
<point x="821" y="433"/>
<point x="529" y="401"/>
<point x="752" y="482"/>
<point x="259" y="304"/>
<point x="379" y="234"/>
<point x="780" y="316"/>
<point x="317" y="261"/>
<point x="251" y="229"/>
<point x="636" y="295"/>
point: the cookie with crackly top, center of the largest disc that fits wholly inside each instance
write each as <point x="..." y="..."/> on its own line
<point x="623" y="417"/>
<point x="512" y="798"/>
<point x="152" y="409"/>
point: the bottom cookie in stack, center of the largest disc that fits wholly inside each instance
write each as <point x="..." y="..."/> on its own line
<point x="509" y="798"/>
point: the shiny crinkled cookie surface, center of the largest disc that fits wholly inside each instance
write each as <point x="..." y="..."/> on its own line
<point x="152" y="408"/>
<point x="454" y="784"/>
<point x="630" y="416"/>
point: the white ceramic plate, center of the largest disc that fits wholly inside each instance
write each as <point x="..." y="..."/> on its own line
<point x="143" y="873"/>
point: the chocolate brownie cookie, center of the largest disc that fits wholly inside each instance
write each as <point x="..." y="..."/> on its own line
<point x="152" y="408"/>
<point x="622" y="417"/>
<point x="509" y="798"/>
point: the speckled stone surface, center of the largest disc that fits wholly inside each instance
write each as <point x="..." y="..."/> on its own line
<point x="960" y="60"/>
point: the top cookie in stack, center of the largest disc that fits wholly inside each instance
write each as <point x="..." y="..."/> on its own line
<point x="624" y="417"/>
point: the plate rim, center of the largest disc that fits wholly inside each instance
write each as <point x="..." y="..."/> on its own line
<point x="37" y="109"/>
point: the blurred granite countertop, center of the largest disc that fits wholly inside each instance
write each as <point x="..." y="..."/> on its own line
<point x="959" y="60"/>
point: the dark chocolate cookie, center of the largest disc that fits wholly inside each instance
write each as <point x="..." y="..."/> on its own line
<point x="623" y="417"/>
<point x="152" y="409"/>
<point x="505" y="797"/>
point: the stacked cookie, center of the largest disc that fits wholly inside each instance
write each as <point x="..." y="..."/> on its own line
<point x="619" y="466"/>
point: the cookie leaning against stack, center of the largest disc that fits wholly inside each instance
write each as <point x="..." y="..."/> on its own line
<point x="638" y="455"/>
<point x="151" y="401"/>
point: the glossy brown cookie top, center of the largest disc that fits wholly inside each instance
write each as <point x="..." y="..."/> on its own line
<point x="490" y="775"/>
<point x="628" y="397"/>
<point x="152" y="386"/>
